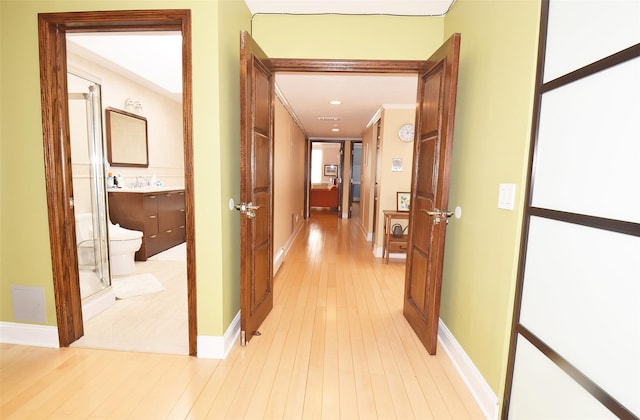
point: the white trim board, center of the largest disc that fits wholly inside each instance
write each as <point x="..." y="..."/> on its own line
<point x="377" y="252"/>
<point x="216" y="347"/>
<point x="281" y="254"/>
<point x="209" y="347"/>
<point x="479" y="388"/>
<point x="29" y="334"/>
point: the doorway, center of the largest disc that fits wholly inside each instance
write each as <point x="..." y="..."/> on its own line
<point x="326" y="173"/>
<point x="60" y="195"/>
<point x="147" y="299"/>
<point x="258" y="88"/>
<point x="355" y="155"/>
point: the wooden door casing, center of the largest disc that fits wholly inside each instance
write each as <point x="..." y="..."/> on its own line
<point x="256" y="166"/>
<point x="52" y="28"/>
<point x="430" y="190"/>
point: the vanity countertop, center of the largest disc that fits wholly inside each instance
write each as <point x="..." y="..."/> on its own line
<point x="145" y="190"/>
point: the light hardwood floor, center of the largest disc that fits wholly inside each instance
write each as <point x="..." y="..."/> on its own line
<point x="336" y="345"/>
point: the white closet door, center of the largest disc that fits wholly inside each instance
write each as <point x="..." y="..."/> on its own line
<point x="576" y="352"/>
<point x="581" y="32"/>
<point x="541" y="390"/>
<point x="588" y="153"/>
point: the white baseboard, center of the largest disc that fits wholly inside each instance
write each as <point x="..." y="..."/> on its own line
<point x="479" y="388"/>
<point x="397" y="256"/>
<point x="282" y="253"/>
<point x="377" y="252"/>
<point x="278" y="259"/>
<point x="215" y="347"/>
<point x="209" y="347"/>
<point x="29" y="334"/>
<point x="101" y="301"/>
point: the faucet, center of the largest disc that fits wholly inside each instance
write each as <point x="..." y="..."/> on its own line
<point x="142" y="181"/>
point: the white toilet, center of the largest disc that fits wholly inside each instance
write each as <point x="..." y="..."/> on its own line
<point x="123" y="244"/>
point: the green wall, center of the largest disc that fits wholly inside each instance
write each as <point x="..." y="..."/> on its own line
<point x="348" y="36"/>
<point x="24" y="246"/>
<point x="233" y="16"/>
<point x="24" y="241"/>
<point x="492" y="132"/>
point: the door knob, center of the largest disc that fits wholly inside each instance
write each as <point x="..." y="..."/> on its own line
<point x="247" y="209"/>
<point x="438" y="215"/>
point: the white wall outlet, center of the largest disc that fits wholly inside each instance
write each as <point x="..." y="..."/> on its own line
<point x="506" y="196"/>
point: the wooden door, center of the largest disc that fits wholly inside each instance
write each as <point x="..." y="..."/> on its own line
<point x="430" y="190"/>
<point x="256" y="176"/>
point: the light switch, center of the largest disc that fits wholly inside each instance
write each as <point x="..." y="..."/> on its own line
<point x="506" y="196"/>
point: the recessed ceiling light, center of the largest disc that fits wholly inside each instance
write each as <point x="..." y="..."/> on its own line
<point x="328" y="118"/>
<point x="335" y="102"/>
<point x="335" y="129"/>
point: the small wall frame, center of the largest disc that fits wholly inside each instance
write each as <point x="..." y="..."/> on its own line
<point x="403" y="201"/>
<point x="330" y="170"/>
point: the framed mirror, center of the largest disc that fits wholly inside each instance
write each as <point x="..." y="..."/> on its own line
<point x="127" y="143"/>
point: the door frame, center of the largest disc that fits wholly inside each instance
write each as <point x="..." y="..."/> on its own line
<point x="332" y="66"/>
<point x="307" y="171"/>
<point x="52" y="28"/>
<point x="352" y="144"/>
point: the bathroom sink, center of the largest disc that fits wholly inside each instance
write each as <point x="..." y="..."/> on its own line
<point x="145" y="189"/>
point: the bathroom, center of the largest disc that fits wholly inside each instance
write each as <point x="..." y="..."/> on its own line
<point x="129" y="304"/>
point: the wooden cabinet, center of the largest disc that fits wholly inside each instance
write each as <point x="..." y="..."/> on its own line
<point x="158" y="215"/>
<point x="393" y="243"/>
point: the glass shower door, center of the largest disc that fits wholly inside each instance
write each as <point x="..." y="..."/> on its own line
<point x="89" y="186"/>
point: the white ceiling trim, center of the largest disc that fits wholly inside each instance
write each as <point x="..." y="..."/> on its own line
<point x="351" y="7"/>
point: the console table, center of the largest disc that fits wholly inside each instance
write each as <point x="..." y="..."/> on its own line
<point x="393" y="243"/>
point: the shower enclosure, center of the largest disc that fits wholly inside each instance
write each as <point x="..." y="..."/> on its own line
<point x="89" y="186"/>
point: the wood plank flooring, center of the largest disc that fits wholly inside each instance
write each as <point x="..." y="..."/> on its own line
<point x="336" y="345"/>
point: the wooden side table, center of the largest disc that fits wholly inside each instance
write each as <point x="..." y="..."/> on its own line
<point x="393" y="243"/>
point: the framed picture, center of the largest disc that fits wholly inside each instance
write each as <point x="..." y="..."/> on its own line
<point x="396" y="165"/>
<point x="330" y="170"/>
<point x="403" y="201"/>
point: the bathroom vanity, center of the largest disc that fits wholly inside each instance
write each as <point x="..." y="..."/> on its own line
<point x="158" y="214"/>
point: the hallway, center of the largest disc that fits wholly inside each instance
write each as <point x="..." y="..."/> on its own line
<point x="336" y="345"/>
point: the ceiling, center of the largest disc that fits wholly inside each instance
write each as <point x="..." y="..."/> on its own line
<point x="361" y="96"/>
<point x="352" y="7"/>
<point x="154" y="60"/>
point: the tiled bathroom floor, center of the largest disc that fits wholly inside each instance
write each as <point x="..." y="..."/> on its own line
<point x="156" y="323"/>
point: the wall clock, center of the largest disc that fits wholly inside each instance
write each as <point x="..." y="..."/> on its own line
<point x="405" y="133"/>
